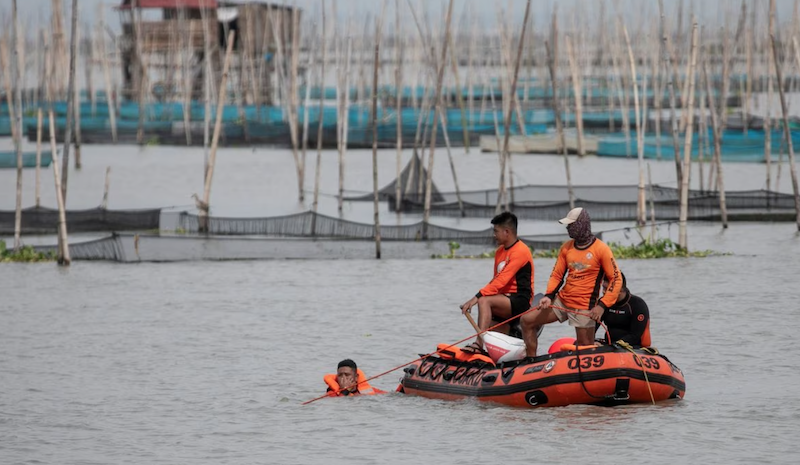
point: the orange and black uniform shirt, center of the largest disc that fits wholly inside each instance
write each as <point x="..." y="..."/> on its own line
<point x="584" y="268"/>
<point x="513" y="272"/>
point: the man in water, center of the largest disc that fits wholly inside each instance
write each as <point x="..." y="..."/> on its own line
<point x="573" y="292"/>
<point x="349" y="381"/>
<point x="628" y="320"/>
<point x="509" y="292"/>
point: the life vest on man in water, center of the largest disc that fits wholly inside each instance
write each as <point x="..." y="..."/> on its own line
<point x="363" y="387"/>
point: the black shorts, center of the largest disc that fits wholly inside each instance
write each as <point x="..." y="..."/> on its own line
<point x="519" y="303"/>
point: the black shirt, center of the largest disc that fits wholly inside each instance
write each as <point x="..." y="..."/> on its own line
<point x="627" y="320"/>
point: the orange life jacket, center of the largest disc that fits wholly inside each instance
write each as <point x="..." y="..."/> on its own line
<point x="364" y="388"/>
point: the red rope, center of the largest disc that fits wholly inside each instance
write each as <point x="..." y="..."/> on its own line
<point x="328" y="394"/>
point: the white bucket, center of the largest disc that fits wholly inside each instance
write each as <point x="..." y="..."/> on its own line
<point x="502" y="347"/>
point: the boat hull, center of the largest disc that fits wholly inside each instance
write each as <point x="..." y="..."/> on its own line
<point x="603" y="375"/>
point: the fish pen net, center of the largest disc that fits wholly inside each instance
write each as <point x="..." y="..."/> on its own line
<point x="43" y="220"/>
<point x="604" y="203"/>
<point x="310" y="224"/>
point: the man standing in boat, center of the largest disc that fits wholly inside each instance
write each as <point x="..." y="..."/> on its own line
<point x="573" y="292"/>
<point x="510" y="290"/>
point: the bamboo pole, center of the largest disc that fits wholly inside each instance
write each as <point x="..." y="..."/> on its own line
<point x="687" y="153"/>
<point x="437" y="95"/>
<point x="717" y="133"/>
<point x="70" y="100"/>
<point x="652" y="205"/>
<point x="459" y="96"/>
<point x="306" y="105"/>
<point x="7" y="66"/>
<point x="513" y="93"/>
<point x="63" y="244"/>
<point x="104" y="205"/>
<point x="398" y="83"/>
<point x="345" y="123"/>
<point x="319" y="125"/>
<point x="38" y="157"/>
<point x="671" y="89"/>
<point x="374" y="122"/>
<point x="576" y="89"/>
<point x="88" y="65"/>
<point x="16" y="65"/>
<point x="559" y="128"/>
<point x="294" y="103"/>
<point x="112" y="114"/>
<point x="217" y="124"/>
<point x="140" y="68"/>
<point x="786" y="131"/>
<point x="77" y="108"/>
<point x="641" y="210"/>
<point x="702" y="135"/>
<point x="207" y="87"/>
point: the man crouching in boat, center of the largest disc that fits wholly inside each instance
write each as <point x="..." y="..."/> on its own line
<point x="349" y="381"/>
<point x="509" y="292"/>
<point x="628" y="320"/>
<point x="573" y="291"/>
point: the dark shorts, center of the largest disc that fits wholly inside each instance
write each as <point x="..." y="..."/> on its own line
<point x="519" y="303"/>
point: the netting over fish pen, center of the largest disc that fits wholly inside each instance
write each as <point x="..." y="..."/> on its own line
<point x="43" y="220"/>
<point x="310" y="224"/>
<point x="107" y="248"/>
<point x="604" y="203"/>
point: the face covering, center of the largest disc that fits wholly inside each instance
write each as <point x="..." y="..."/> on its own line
<point x="581" y="229"/>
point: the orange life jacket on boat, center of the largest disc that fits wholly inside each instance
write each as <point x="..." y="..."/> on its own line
<point x="334" y="390"/>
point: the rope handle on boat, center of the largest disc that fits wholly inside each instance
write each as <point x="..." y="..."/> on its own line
<point x="628" y="347"/>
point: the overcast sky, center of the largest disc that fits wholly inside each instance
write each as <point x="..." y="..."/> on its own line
<point x="709" y="12"/>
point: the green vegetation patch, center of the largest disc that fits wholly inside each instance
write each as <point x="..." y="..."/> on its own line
<point x="26" y="254"/>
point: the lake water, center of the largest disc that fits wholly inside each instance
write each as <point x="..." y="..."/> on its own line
<point x="208" y="362"/>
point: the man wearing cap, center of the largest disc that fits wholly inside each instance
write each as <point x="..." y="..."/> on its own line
<point x="573" y="292"/>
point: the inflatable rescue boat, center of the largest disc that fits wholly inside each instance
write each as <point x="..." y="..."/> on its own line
<point x="603" y="375"/>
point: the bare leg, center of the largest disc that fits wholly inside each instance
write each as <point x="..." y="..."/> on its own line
<point x="585" y="336"/>
<point x="530" y="324"/>
<point x="498" y="306"/>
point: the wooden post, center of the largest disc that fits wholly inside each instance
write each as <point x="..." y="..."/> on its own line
<point x="717" y="133"/>
<point x="104" y="205"/>
<point x="513" y="93"/>
<point x="768" y="117"/>
<point x="70" y="101"/>
<point x="217" y="124"/>
<point x="7" y="66"/>
<point x="376" y="67"/>
<point x="641" y="210"/>
<point x="345" y="123"/>
<point x="112" y="114"/>
<point x="786" y="131"/>
<point x="76" y="90"/>
<point x="687" y="148"/>
<point x="38" y="156"/>
<point x="319" y="125"/>
<point x="16" y="65"/>
<point x="559" y="127"/>
<point x="652" y="206"/>
<point x="398" y="83"/>
<point x="436" y="100"/>
<point x="63" y="244"/>
<point x="671" y="88"/>
<point x="576" y="89"/>
<point x="140" y="68"/>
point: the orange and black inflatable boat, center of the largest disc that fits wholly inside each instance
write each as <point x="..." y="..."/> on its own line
<point x="603" y="375"/>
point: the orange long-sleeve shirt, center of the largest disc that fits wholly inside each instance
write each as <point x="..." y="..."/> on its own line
<point x="513" y="271"/>
<point x="585" y="268"/>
